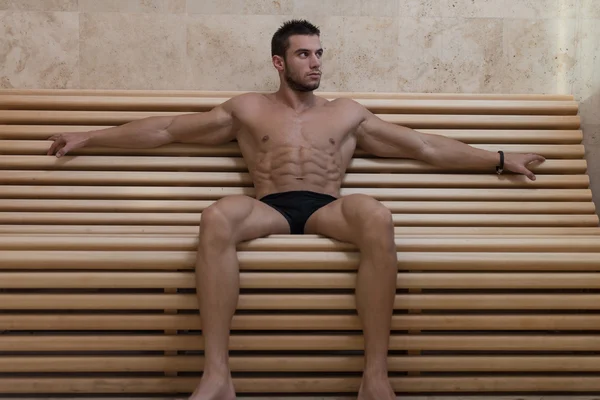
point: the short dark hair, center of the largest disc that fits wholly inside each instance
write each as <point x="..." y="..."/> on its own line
<point x="280" y="42"/>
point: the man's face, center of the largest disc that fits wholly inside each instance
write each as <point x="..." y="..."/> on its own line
<point x="303" y="63"/>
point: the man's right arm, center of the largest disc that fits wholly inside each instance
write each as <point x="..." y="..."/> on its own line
<point x="214" y="127"/>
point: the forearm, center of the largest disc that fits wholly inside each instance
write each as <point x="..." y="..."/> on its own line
<point x="449" y="153"/>
<point x="143" y="133"/>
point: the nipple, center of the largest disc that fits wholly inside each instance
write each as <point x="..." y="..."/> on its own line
<point x="331" y="141"/>
<point x="265" y="138"/>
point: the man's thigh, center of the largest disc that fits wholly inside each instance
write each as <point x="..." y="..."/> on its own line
<point x="344" y="218"/>
<point x="249" y="218"/>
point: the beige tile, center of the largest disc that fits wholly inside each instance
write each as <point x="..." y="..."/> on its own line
<point x="420" y="46"/>
<point x="331" y="8"/>
<point x="39" y="5"/>
<point x="212" y="7"/>
<point x="586" y="87"/>
<point x="129" y="6"/>
<point x="450" y="55"/>
<point x="266" y="7"/>
<point x="133" y="6"/>
<point x="421" y="8"/>
<point x="591" y="140"/>
<point x="474" y="9"/>
<point x="591" y="137"/>
<point x="380" y="8"/>
<point x="471" y="55"/>
<point x="362" y="54"/>
<point x="238" y="7"/>
<point x="39" y="50"/>
<point x="539" y="9"/>
<point x="132" y="51"/>
<point x="175" y="6"/>
<point x="227" y="52"/>
<point x="540" y="56"/>
<point x="590" y="8"/>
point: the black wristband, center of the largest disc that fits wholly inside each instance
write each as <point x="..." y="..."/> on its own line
<point x="500" y="168"/>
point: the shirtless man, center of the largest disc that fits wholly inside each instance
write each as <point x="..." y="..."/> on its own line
<point x="297" y="147"/>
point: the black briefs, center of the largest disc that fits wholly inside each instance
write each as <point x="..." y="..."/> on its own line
<point x="297" y="206"/>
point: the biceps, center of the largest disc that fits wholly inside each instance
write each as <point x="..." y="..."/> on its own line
<point x="384" y="139"/>
<point x="376" y="147"/>
<point x="210" y="128"/>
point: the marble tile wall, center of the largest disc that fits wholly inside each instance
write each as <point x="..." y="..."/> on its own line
<point x="475" y="46"/>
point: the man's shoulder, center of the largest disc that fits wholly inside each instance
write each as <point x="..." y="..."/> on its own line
<point x="249" y="97"/>
<point x="347" y="104"/>
<point x="247" y="100"/>
<point x="243" y="102"/>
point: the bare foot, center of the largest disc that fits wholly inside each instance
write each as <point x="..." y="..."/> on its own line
<point x="376" y="388"/>
<point x="214" y="388"/>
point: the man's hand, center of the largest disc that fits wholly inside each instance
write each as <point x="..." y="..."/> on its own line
<point x="65" y="142"/>
<point x="518" y="163"/>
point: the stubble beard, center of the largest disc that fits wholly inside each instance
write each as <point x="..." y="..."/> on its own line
<point x="298" y="86"/>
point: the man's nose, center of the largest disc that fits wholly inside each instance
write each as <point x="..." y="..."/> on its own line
<point x="315" y="61"/>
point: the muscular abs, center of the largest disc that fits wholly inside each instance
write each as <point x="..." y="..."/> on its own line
<point x="298" y="152"/>
<point x="298" y="168"/>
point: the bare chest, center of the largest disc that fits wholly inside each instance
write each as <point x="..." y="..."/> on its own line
<point x="324" y="129"/>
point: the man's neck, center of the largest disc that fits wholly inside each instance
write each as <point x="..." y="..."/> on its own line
<point x="296" y="100"/>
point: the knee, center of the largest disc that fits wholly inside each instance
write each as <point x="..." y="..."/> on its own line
<point x="379" y="227"/>
<point x="374" y="222"/>
<point x="215" y="227"/>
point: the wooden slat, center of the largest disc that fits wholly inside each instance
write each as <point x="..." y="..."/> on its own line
<point x="213" y="193"/>
<point x="301" y="384"/>
<point x="306" y="261"/>
<point x="408" y="207"/>
<point x="187" y="230"/>
<point x="570" y="243"/>
<point x="193" y="219"/>
<point x="506" y="136"/>
<point x="229" y="164"/>
<point x="299" y="280"/>
<point x="300" y="301"/>
<point x="298" y="323"/>
<point x="41" y="147"/>
<point x="326" y="94"/>
<point x="198" y="104"/>
<point x="134" y="178"/>
<point x="429" y="121"/>
<point x="300" y="342"/>
<point x="70" y="364"/>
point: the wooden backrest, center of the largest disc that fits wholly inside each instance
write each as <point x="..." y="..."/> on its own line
<point x="497" y="276"/>
<point x="164" y="190"/>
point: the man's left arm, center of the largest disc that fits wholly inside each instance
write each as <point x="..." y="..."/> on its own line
<point x="385" y="139"/>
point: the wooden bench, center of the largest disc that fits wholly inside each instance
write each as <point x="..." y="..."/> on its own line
<point x="498" y="276"/>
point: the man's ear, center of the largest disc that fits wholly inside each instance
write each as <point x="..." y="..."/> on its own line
<point x="278" y="63"/>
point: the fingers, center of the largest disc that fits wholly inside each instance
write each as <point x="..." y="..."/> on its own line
<point x="58" y="143"/>
<point x="59" y="146"/>
<point x="61" y="152"/>
<point x="534" y="157"/>
<point x="530" y="175"/>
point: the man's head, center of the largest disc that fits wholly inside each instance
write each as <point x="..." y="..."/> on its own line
<point x="296" y="52"/>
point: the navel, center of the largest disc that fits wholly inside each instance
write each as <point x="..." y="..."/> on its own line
<point x="331" y="140"/>
<point x="265" y="138"/>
